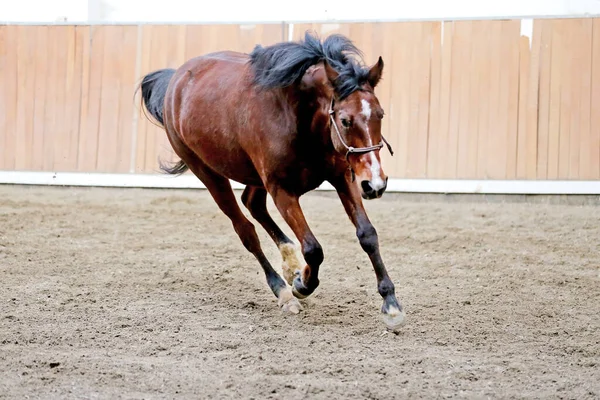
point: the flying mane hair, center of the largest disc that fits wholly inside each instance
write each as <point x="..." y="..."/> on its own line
<point x="284" y="64"/>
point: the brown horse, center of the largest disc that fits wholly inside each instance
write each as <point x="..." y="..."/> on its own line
<point x="281" y="120"/>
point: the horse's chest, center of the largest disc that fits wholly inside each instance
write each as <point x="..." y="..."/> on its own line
<point x="301" y="176"/>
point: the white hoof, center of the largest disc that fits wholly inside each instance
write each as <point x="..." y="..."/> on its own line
<point x="288" y="303"/>
<point x="292" y="306"/>
<point x="394" y="318"/>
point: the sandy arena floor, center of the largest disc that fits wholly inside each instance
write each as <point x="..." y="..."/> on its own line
<point x="110" y="293"/>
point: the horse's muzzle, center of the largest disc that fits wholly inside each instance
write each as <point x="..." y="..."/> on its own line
<point x="370" y="191"/>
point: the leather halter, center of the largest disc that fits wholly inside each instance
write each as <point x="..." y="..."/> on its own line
<point x="355" y="150"/>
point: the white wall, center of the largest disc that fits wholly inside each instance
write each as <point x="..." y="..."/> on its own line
<point x="43" y="10"/>
<point x="283" y="10"/>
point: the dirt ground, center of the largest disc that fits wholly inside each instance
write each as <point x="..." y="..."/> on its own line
<point x="131" y="293"/>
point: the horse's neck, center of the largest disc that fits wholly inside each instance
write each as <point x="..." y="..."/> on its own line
<point x="312" y="120"/>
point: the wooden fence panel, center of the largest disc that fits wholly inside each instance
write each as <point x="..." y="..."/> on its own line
<point x="594" y="149"/>
<point x="10" y="40"/>
<point x="465" y="99"/>
<point x="25" y="89"/>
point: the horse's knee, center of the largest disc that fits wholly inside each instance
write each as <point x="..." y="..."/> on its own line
<point x="313" y="253"/>
<point x="248" y="236"/>
<point x="367" y="236"/>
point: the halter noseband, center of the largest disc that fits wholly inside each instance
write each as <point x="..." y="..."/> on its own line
<point x="355" y="150"/>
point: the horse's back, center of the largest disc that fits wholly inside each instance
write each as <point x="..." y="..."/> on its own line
<point x="206" y="105"/>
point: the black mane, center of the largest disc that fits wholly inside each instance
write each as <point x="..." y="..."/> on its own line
<point x="284" y="64"/>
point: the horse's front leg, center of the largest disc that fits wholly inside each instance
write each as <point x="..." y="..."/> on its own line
<point x="393" y="314"/>
<point x="288" y="205"/>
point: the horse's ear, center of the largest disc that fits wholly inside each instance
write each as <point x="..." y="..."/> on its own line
<point x="375" y="73"/>
<point x="331" y="73"/>
<point x="317" y="77"/>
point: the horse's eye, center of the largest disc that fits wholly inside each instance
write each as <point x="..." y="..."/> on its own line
<point x="346" y="123"/>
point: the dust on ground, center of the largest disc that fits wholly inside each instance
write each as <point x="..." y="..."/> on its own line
<point x="132" y="293"/>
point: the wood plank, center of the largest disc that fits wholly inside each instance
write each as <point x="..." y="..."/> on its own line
<point x="401" y="93"/>
<point x="193" y="45"/>
<point x="88" y="155"/>
<point x="4" y="96"/>
<point x="555" y="100"/>
<point x="39" y="95"/>
<point x="524" y="88"/>
<point x="498" y="156"/>
<point x="52" y="101"/>
<point x="109" y="103"/>
<point x="75" y="44"/>
<point x="223" y="37"/>
<point x="446" y="83"/>
<point x="416" y="68"/>
<point x="460" y="41"/>
<point x="512" y="36"/>
<point x="465" y="37"/>
<point x="478" y="46"/>
<point x="533" y="103"/>
<point x="585" y="104"/>
<point x="545" y="91"/>
<point x="84" y="106"/>
<point x="494" y="141"/>
<point x="60" y="139"/>
<point x="434" y="101"/>
<point x="485" y="66"/>
<point x="566" y="88"/>
<point x="384" y="93"/>
<point x="272" y="33"/>
<point x="9" y="75"/>
<point x="247" y="36"/>
<point x="595" y="104"/>
<point x="144" y="124"/>
<point x="575" y="29"/>
<point x="363" y="39"/>
<point x="127" y="81"/>
<point x="25" y="97"/>
<point x="424" y="98"/>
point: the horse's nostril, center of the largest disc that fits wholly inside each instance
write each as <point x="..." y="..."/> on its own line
<point x="366" y="186"/>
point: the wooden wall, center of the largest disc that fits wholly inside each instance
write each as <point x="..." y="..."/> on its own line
<point x="468" y="99"/>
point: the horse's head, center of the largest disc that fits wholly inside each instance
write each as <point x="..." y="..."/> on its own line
<point x="355" y="124"/>
<point x="340" y="97"/>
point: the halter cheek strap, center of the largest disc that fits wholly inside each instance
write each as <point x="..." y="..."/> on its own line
<point x="355" y="150"/>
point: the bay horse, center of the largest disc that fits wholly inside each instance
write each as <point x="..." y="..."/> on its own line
<point x="281" y="120"/>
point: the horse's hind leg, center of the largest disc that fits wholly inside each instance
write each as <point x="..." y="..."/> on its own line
<point x="220" y="189"/>
<point x="255" y="200"/>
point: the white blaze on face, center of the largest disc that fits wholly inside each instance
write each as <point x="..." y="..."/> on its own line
<point x="366" y="109"/>
<point x="376" y="182"/>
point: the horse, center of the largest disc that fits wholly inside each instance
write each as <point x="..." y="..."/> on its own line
<point x="281" y="120"/>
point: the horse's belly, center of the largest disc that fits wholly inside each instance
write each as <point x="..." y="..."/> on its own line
<point x="221" y="154"/>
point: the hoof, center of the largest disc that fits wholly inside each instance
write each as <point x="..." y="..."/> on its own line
<point x="299" y="289"/>
<point x="394" y="318"/>
<point x="288" y="303"/>
<point x="292" y="306"/>
<point x="297" y="293"/>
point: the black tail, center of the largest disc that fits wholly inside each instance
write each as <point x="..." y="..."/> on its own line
<point x="154" y="88"/>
